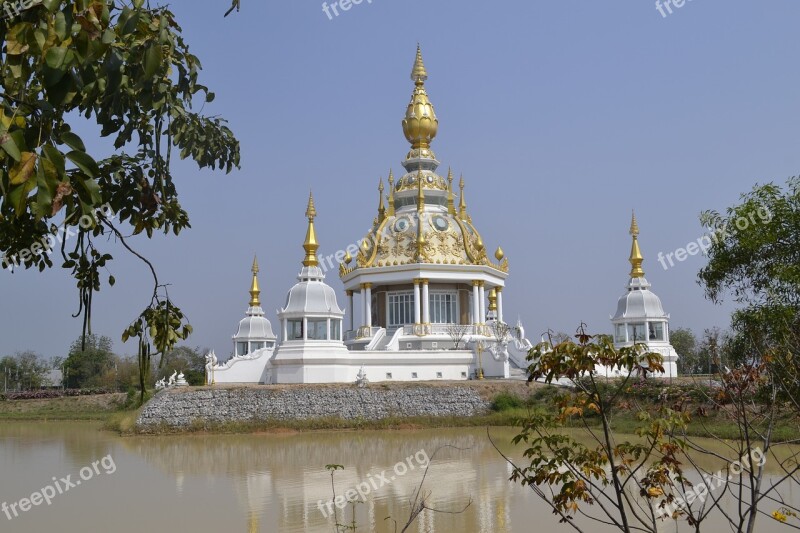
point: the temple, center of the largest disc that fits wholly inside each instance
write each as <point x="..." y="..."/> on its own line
<point x="428" y="294"/>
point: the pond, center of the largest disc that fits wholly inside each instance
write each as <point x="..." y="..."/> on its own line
<point x="91" y="480"/>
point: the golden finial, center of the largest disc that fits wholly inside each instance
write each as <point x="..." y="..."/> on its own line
<point x="255" y="291"/>
<point x="418" y="73"/>
<point x="451" y="207"/>
<point x="492" y="300"/>
<point x="462" y="203"/>
<point x="391" y="194"/>
<point x="420" y="123"/>
<point x="311" y="245"/>
<point x="348" y="258"/>
<point x="499" y="254"/>
<point x="636" y="258"/>
<point x="381" y="208"/>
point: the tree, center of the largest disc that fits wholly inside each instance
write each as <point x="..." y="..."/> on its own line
<point x="190" y="361"/>
<point x="457" y="332"/>
<point x="685" y="344"/>
<point x="662" y="474"/>
<point x="23" y="371"/>
<point x="88" y="360"/>
<point x="126" y="68"/>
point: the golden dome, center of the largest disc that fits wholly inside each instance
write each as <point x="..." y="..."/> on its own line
<point x="420" y="124"/>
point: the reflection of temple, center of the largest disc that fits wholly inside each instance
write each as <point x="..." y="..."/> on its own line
<point x="279" y="480"/>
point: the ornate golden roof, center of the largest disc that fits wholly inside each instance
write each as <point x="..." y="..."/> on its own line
<point x="422" y="224"/>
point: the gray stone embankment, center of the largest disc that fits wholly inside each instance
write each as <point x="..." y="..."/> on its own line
<point x="181" y="407"/>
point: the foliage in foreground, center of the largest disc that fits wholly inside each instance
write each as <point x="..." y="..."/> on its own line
<point x="663" y="474"/>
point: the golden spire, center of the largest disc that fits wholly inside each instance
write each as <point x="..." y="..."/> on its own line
<point x="311" y="245"/>
<point x="418" y="73"/>
<point x="462" y="203"/>
<point x="420" y="124"/>
<point x="451" y="208"/>
<point x="636" y="258"/>
<point x="390" y="212"/>
<point x="381" y="208"/>
<point x="493" y="300"/>
<point x="255" y="291"/>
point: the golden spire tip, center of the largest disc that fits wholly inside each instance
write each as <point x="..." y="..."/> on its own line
<point x="418" y="73"/>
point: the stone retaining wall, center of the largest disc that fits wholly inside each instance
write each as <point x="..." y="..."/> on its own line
<point x="180" y="407"/>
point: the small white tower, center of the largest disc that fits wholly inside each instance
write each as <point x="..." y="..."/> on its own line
<point x="640" y="317"/>
<point x="255" y="331"/>
<point x="311" y="348"/>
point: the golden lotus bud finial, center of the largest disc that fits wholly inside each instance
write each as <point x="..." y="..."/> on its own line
<point x="462" y="203"/>
<point x="451" y="207"/>
<point x="311" y="245"/>
<point x="348" y="258"/>
<point x="636" y="259"/>
<point x="381" y="208"/>
<point x="391" y="194"/>
<point x="255" y="291"/>
<point x="499" y="254"/>
<point x="420" y="123"/>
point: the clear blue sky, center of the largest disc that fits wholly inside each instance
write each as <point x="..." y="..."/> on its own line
<point x="562" y="117"/>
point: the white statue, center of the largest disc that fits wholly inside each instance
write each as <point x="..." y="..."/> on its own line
<point x="211" y="359"/>
<point x="181" y="381"/>
<point x="362" y="380"/>
<point x="172" y="378"/>
<point x="160" y="384"/>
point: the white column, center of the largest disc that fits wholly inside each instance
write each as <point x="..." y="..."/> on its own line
<point x="416" y="302"/>
<point x="426" y="307"/>
<point x="350" y="301"/>
<point x="499" y="291"/>
<point x="476" y="307"/>
<point x="368" y="306"/>
<point x="305" y="329"/>
<point x="285" y="332"/>
<point x="482" y="296"/>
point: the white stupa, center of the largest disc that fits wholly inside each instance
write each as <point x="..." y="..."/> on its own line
<point x="640" y="317"/>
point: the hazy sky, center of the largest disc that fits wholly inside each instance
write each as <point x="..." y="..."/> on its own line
<point x="562" y="116"/>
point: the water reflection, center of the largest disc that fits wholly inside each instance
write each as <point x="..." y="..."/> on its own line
<point x="269" y="482"/>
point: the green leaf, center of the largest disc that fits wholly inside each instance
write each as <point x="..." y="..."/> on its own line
<point x="152" y="60"/>
<point x="9" y="144"/>
<point x="85" y="162"/>
<point x="58" y="56"/>
<point x="73" y="141"/>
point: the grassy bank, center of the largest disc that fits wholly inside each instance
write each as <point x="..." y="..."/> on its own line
<point x="97" y="407"/>
<point x="510" y="401"/>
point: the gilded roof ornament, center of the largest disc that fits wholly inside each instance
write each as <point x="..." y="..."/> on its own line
<point x="493" y="300"/>
<point x="451" y="208"/>
<point x="636" y="258"/>
<point x="381" y="208"/>
<point x="311" y="245"/>
<point x="420" y="123"/>
<point x="391" y="194"/>
<point x="418" y="73"/>
<point x="462" y="203"/>
<point x="499" y="254"/>
<point x="255" y="291"/>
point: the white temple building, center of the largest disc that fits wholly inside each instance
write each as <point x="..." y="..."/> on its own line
<point x="640" y="317"/>
<point x="430" y="297"/>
